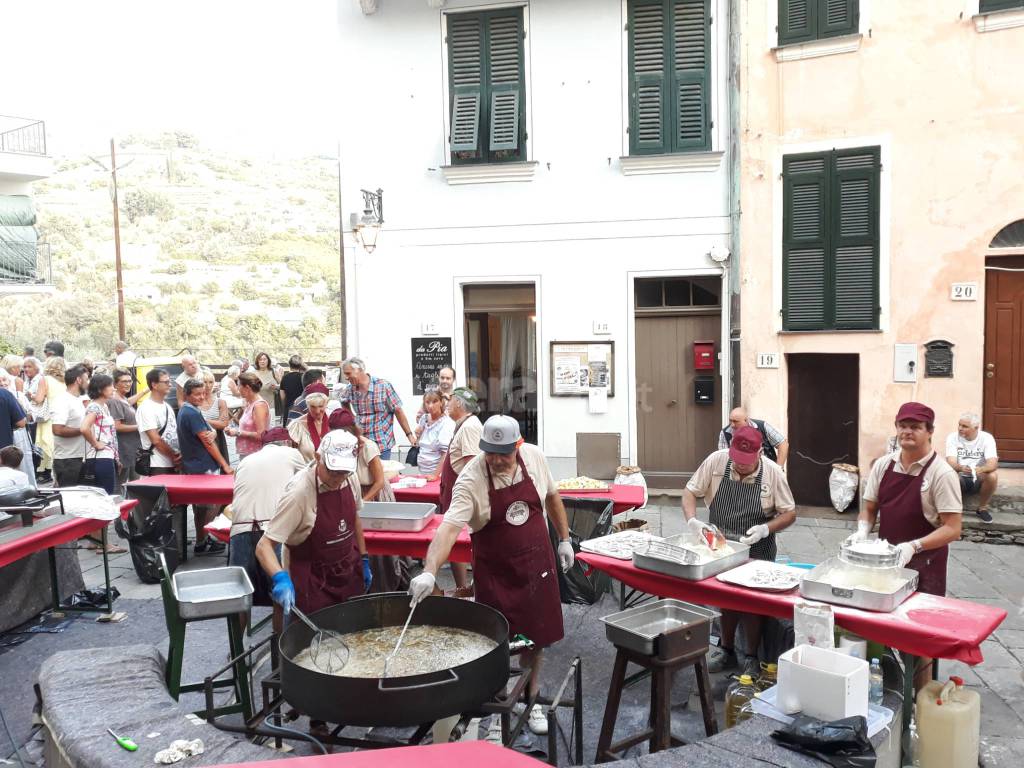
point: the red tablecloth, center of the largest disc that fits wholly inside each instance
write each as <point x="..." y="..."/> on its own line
<point x="472" y="754"/>
<point x="396" y="542"/>
<point x="623" y="497"/>
<point x="924" y="625"/>
<point x="193" y="489"/>
<point x="49" y="532"/>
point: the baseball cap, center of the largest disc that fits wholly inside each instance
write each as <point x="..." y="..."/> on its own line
<point x="340" y="418"/>
<point x="338" y="449"/>
<point x="275" y="435"/>
<point x="745" y="446"/>
<point x="915" y="412"/>
<point x="500" y="434"/>
<point x="468" y="396"/>
<point x="316" y="386"/>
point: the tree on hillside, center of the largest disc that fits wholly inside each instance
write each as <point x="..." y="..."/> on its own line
<point x="139" y="202"/>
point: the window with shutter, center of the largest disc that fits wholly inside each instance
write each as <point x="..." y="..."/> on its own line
<point x="830" y="240"/>
<point x="669" y="76"/>
<point x="486" y="79"/>
<point x="801" y="21"/>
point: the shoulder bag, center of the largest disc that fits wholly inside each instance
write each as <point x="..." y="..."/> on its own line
<point x="144" y="456"/>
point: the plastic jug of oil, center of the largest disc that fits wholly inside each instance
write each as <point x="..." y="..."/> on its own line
<point x="948" y="725"/>
<point x="769" y="676"/>
<point x="739" y="694"/>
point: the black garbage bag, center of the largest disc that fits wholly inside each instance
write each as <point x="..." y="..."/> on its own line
<point x="588" y="519"/>
<point x="840" y="743"/>
<point x="91" y="598"/>
<point x="149" y="530"/>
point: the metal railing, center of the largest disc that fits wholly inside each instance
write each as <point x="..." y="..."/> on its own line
<point x="25" y="263"/>
<point x="22" y="135"/>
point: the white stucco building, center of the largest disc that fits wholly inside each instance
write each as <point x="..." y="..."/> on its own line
<point x="553" y="171"/>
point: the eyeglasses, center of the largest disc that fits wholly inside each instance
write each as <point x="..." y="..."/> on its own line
<point x="163" y="381"/>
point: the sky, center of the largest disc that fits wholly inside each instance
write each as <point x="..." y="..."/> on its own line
<point x="253" y="75"/>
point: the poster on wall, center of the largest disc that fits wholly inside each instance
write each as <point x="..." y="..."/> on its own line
<point x="579" y="366"/>
<point x="429" y="356"/>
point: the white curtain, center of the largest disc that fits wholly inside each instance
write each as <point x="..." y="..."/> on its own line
<point x="518" y="361"/>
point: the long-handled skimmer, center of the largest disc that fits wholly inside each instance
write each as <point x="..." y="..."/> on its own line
<point x="327" y="650"/>
<point x="401" y="637"/>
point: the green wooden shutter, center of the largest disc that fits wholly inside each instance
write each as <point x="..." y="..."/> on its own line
<point x="855" y="242"/>
<point x="987" y="6"/>
<point x="648" y="78"/>
<point x="465" y="80"/>
<point x="837" y="17"/>
<point x="505" y="78"/>
<point x="691" y="57"/>
<point x="805" y="223"/>
<point x="797" y="21"/>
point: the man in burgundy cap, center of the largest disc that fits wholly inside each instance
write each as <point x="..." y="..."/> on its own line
<point x="917" y="495"/>
<point x="748" y="499"/>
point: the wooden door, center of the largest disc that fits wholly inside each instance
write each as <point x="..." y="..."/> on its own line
<point x="1004" y="357"/>
<point x="823" y="422"/>
<point x="674" y="434"/>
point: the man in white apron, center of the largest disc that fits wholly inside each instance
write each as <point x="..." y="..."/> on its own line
<point x="748" y="499"/>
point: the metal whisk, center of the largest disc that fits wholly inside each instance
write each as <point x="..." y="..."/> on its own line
<point x="327" y="650"/>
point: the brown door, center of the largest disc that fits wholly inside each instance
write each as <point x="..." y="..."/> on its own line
<point x="1004" y="357"/>
<point x="823" y="422"/>
<point x="674" y="433"/>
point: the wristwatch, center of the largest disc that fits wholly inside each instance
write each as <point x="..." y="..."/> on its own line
<point x="918" y="548"/>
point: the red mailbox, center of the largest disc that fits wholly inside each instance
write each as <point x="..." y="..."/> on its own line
<point x="703" y="355"/>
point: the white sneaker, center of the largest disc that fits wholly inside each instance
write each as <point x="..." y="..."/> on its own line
<point x="494" y="731"/>
<point x="538" y="721"/>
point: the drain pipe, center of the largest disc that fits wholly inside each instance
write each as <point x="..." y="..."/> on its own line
<point x="731" y="276"/>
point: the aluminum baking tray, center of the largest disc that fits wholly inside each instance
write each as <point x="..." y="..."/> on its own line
<point x="654" y="559"/>
<point x="619" y="545"/>
<point x="212" y="592"/>
<point x="396" y="515"/>
<point x="669" y="628"/>
<point x="815" y="585"/>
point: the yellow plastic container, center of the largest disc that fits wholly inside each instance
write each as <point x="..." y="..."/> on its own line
<point x="948" y="725"/>
<point x="736" y="698"/>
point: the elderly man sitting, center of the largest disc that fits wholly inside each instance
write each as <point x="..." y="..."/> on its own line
<point x="972" y="453"/>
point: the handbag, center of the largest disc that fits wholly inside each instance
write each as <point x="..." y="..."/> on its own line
<point x="88" y="476"/>
<point x="413" y="457"/>
<point x="144" y="456"/>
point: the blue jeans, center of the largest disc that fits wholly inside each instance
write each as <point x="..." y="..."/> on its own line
<point x="385" y="455"/>
<point x="243" y="553"/>
<point x="106" y="475"/>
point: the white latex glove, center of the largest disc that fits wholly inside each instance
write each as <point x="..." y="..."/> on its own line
<point x="754" y="534"/>
<point x="905" y="552"/>
<point x="863" y="529"/>
<point x="566" y="555"/>
<point x="696" y="526"/>
<point x="421" y="587"/>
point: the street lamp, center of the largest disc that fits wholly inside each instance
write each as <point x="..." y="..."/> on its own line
<point x="366" y="227"/>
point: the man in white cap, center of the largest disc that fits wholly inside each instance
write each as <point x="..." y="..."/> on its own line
<point x="503" y="495"/>
<point x="317" y="519"/>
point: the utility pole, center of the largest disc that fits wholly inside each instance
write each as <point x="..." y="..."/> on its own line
<point x="341" y="260"/>
<point x="117" y="247"/>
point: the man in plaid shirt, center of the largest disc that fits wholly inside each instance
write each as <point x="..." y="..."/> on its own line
<point x="376" y="405"/>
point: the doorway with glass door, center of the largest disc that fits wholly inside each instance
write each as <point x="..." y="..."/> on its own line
<point x="501" y="351"/>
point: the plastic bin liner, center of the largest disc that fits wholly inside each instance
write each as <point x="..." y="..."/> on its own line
<point x="18" y="252"/>
<point x="149" y="530"/>
<point x="840" y="743"/>
<point x="17" y="211"/>
<point x="842" y="485"/>
<point x="588" y="519"/>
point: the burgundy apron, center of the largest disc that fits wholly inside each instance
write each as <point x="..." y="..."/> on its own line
<point x="514" y="563"/>
<point x="448" y="473"/>
<point x="326" y="568"/>
<point x="903" y="520"/>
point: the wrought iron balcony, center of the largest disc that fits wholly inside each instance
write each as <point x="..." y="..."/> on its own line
<point x="24" y="264"/>
<point x="22" y="136"/>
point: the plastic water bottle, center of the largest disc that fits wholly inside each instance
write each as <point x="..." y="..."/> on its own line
<point x="876" y="691"/>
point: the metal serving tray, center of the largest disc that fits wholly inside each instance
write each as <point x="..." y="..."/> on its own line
<point x="212" y="592"/>
<point x="655" y="559"/>
<point x="815" y="587"/>
<point x="396" y="515"/>
<point x="669" y="628"/>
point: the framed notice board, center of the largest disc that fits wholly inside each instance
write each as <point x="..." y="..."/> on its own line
<point x="429" y="355"/>
<point x="577" y="366"/>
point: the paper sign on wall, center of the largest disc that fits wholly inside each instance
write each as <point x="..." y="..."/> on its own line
<point x="598" y="399"/>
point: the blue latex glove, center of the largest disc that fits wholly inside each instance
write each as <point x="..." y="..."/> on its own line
<point x="283" y="591"/>
<point x="367" y="574"/>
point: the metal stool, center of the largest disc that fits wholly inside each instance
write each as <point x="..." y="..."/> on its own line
<point x="660" y="729"/>
<point x="239" y="678"/>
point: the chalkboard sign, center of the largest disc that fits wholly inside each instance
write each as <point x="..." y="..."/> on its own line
<point x="429" y="356"/>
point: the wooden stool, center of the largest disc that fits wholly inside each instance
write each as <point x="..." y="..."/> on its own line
<point x="660" y="729"/>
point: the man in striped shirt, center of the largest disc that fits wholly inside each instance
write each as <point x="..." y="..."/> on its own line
<point x="376" y="405"/>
